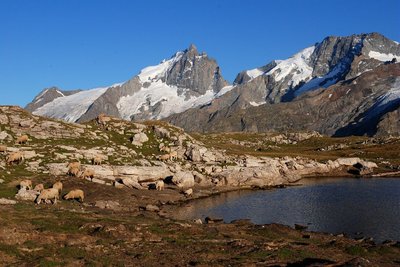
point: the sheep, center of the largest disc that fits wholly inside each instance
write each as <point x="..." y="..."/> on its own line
<point x="164" y="157"/>
<point x="26" y="184"/>
<point x="173" y="155"/>
<point x="97" y="160"/>
<point x="3" y="148"/>
<point x="74" y="164"/>
<point x="48" y="194"/>
<point x="58" y="185"/>
<point x="160" y="185"/>
<point x="75" y="194"/>
<point x="15" y="157"/>
<point x="39" y="187"/>
<point x="22" y="139"/>
<point x="73" y="171"/>
<point x="165" y="149"/>
<point x="88" y="173"/>
<point x="102" y="119"/>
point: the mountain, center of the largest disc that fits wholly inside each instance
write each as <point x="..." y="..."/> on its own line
<point x="340" y="86"/>
<point x="188" y="79"/>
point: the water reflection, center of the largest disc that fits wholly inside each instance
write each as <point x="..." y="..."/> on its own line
<point x="369" y="206"/>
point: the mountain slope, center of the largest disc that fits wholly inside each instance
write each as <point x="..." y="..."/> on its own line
<point x="186" y="80"/>
<point x="280" y="95"/>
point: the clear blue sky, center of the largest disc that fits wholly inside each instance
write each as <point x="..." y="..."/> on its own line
<point x="89" y="43"/>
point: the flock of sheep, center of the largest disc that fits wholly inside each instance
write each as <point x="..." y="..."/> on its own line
<point x="51" y="195"/>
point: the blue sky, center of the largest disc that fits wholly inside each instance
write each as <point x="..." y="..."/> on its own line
<point x="91" y="43"/>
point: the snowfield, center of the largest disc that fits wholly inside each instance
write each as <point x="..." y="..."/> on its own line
<point x="70" y="108"/>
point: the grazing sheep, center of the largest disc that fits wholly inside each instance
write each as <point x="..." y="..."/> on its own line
<point x="73" y="172"/>
<point x="58" y="185"/>
<point x="165" y="157"/>
<point x="75" y="194"/>
<point x="173" y="155"/>
<point x="165" y="149"/>
<point x="102" y="119"/>
<point x="48" y="194"/>
<point x="17" y="157"/>
<point x="160" y="185"/>
<point x="39" y="187"/>
<point x="97" y="160"/>
<point x="74" y="164"/>
<point x="26" y="184"/>
<point x="22" y="139"/>
<point x="3" y="148"/>
<point x="88" y="173"/>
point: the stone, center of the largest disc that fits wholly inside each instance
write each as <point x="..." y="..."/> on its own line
<point x="3" y="135"/>
<point x="5" y="201"/>
<point x="183" y="179"/>
<point x="139" y="138"/>
<point x="161" y="132"/>
<point x="152" y="208"/>
<point x="107" y="204"/>
<point x="28" y="154"/>
<point x="132" y="183"/>
<point x="27" y="195"/>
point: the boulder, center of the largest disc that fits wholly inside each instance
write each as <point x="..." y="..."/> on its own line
<point x="4" y="135"/>
<point x="183" y="179"/>
<point x="5" y="201"/>
<point x="131" y="183"/>
<point x="188" y="192"/>
<point x="152" y="208"/>
<point x="161" y="132"/>
<point x="107" y="204"/>
<point x="139" y="138"/>
<point x="28" y="195"/>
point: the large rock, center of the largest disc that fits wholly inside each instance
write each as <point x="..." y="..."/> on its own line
<point x="183" y="180"/>
<point x="144" y="173"/>
<point x="139" y="138"/>
<point x="5" y="201"/>
<point x="27" y="195"/>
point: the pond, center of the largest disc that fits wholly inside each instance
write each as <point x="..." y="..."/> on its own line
<point x="356" y="207"/>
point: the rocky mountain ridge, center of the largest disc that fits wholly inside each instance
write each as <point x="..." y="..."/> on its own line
<point x="189" y="87"/>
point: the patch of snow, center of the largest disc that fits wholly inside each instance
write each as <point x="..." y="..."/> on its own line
<point x="390" y="97"/>
<point x="224" y="90"/>
<point x="60" y="93"/>
<point x="348" y="91"/>
<point x="382" y="56"/>
<point x="330" y="95"/>
<point x="323" y="81"/>
<point x="156" y="72"/>
<point x="159" y="92"/>
<point x="297" y="65"/>
<point x="70" y="108"/>
<point x="254" y="73"/>
<point x="255" y="104"/>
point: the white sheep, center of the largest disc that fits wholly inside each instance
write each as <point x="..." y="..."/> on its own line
<point x="39" y="188"/>
<point x="88" y="173"/>
<point x="165" y="157"/>
<point x="48" y="194"/>
<point x="3" y="148"/>
<point x="22" y="139"/>
<point x="160" y="185"/>
<point x="58" y="185"/>
<point x="74" y="164"/>
<point x="97" y="160"/>
<point x="26" y="184"/>
<point x="73" y="171"/>
<point x="173" y="155"/>
<point x="75" y="194"/>
<point x="15" y="157"/>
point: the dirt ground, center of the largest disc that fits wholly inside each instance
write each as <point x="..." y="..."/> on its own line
<point x="71" y="233"/>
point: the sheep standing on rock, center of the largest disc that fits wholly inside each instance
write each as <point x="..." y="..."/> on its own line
<point x="39" y="188"/>
<point x="160" y="185"/>
<point x="48" y="194"/>
<point x="58" y="185"/>
<point x="17" y="157"/>
<point x="97" y="160"/>
<point x="22" y="139"/>
<point x="88" y="173"/>
<point x="26" y="184"/>
<point x="75" y="194"/>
